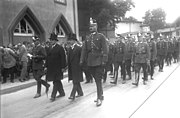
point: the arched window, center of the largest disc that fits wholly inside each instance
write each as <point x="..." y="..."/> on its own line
<point x="59" y="30"/>
<point x="23" y="28"/>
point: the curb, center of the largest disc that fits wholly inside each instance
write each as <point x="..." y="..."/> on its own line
<point x="20" y="87"/>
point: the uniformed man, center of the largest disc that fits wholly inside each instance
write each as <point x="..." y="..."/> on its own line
<point x="119" y="59"/>
<point x="141" y="59"/>
<point x="130" y="47"/>
<point x="161" y="52"/>
<point x="153" y="54"/>
<point x="95" y="51"/>
<point x="169" y="51"/>
<point x="39" y="55"/>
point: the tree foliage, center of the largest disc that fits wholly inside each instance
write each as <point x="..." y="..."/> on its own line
<point x="155" y="19"/>
<point x="177" y="22"/>
<point x="130" y="19"/>
<point x="108" y="11"/>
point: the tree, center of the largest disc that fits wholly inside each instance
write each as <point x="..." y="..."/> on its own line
<point x="108" y="11"/>
<point x="177" y="22"/>
<point x="155" y="19"/>
<point x="130" y="19"/>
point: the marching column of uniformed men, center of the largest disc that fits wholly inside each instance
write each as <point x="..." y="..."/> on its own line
<point x="98" y="56"/>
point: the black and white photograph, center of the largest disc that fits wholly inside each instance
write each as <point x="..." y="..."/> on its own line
<point x="89" y="58"/>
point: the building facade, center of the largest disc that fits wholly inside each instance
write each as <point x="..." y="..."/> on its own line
<point x="22" y="19"/>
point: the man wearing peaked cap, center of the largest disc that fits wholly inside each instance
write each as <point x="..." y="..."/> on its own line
<point x="95" y="54"/>
<point x="39" y="55"/>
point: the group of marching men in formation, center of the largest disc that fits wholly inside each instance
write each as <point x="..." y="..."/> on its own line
<point x="146" y="52"/>
<point x="95" y="56"/>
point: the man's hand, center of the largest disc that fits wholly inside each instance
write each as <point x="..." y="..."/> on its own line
<point x="63" y="69"/>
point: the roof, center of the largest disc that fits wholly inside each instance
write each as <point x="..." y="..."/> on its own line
<point x="135" y="33"/>
<point x="172" y="29"/>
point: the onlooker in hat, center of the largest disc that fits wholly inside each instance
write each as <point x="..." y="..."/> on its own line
<point x="55" y="64"/>
<point x="39" y="55"/>
<point x="74" y="69"/>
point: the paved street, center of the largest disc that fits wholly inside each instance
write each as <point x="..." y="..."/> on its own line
<point x="122" y="100"/>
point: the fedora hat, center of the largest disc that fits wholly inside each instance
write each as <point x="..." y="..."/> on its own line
<point x="53" y="36"/>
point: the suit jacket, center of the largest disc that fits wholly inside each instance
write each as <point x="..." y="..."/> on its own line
<point x="74" y="69"/>
<point x="95" y="50"/>
<point x="39" y="55"/>
<point x="55" y="62"/>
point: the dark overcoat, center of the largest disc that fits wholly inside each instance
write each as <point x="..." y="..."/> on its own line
<point x="55" y="62"/>
<point x="74" y="69"/>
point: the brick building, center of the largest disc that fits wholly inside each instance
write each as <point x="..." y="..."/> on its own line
<point x="22" y="19"/>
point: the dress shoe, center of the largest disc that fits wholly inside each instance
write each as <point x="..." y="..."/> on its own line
<point x="61" y="95"/>
<point x="71" y="98"/>
<point x="52" y="99"/>
<point x="144" y="82"/>
<point x="124" y="81"/>
<point x="98" y="103"/>
<point x="135" y="84"/>
<point x="87" y="82"/>
<point x="79" y="95"/>
<point x="47" y="88"/>
<point x="113" y="82"/>
<point x="12" y="81"/>
<point x="102" y="98"/>
<point x="21" y="80"/>
<point x="3" y="82"/>
<point x="37" y="95"/>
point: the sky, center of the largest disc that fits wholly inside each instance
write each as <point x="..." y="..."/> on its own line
<point x="171" y="8"/>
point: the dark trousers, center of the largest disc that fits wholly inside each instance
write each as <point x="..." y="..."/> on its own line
<point x="137" y="68"/>
<point x="8" y="71"/>
<point x="37" y="75"/>
<point x="161" y="61"/>
<point x="97" y="73"/>
<point x="57" y="87"/>
<point x="152" y="64"/>
<point x="87" y="74"/>
<point x="123" y="71"/>
<point x="76" y="88"/>
<point x="169" y="58"/>
<point x="128" y="67"/>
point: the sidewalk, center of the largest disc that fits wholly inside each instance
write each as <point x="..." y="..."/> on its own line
<point x="17" y="85"/>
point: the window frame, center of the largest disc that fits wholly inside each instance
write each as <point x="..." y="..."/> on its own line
<point x="60" y="27"/>
<point x="60" y="2"/>
<point x="23" y="34"/>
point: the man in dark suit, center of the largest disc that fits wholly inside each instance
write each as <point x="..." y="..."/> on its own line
<point x="95" y="51"/>
<point x="55" y="64"/>
<point x="74" y="69"/>
<point x="39" y="55"/>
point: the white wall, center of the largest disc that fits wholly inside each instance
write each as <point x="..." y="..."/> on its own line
<point x="123" y="27"/>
